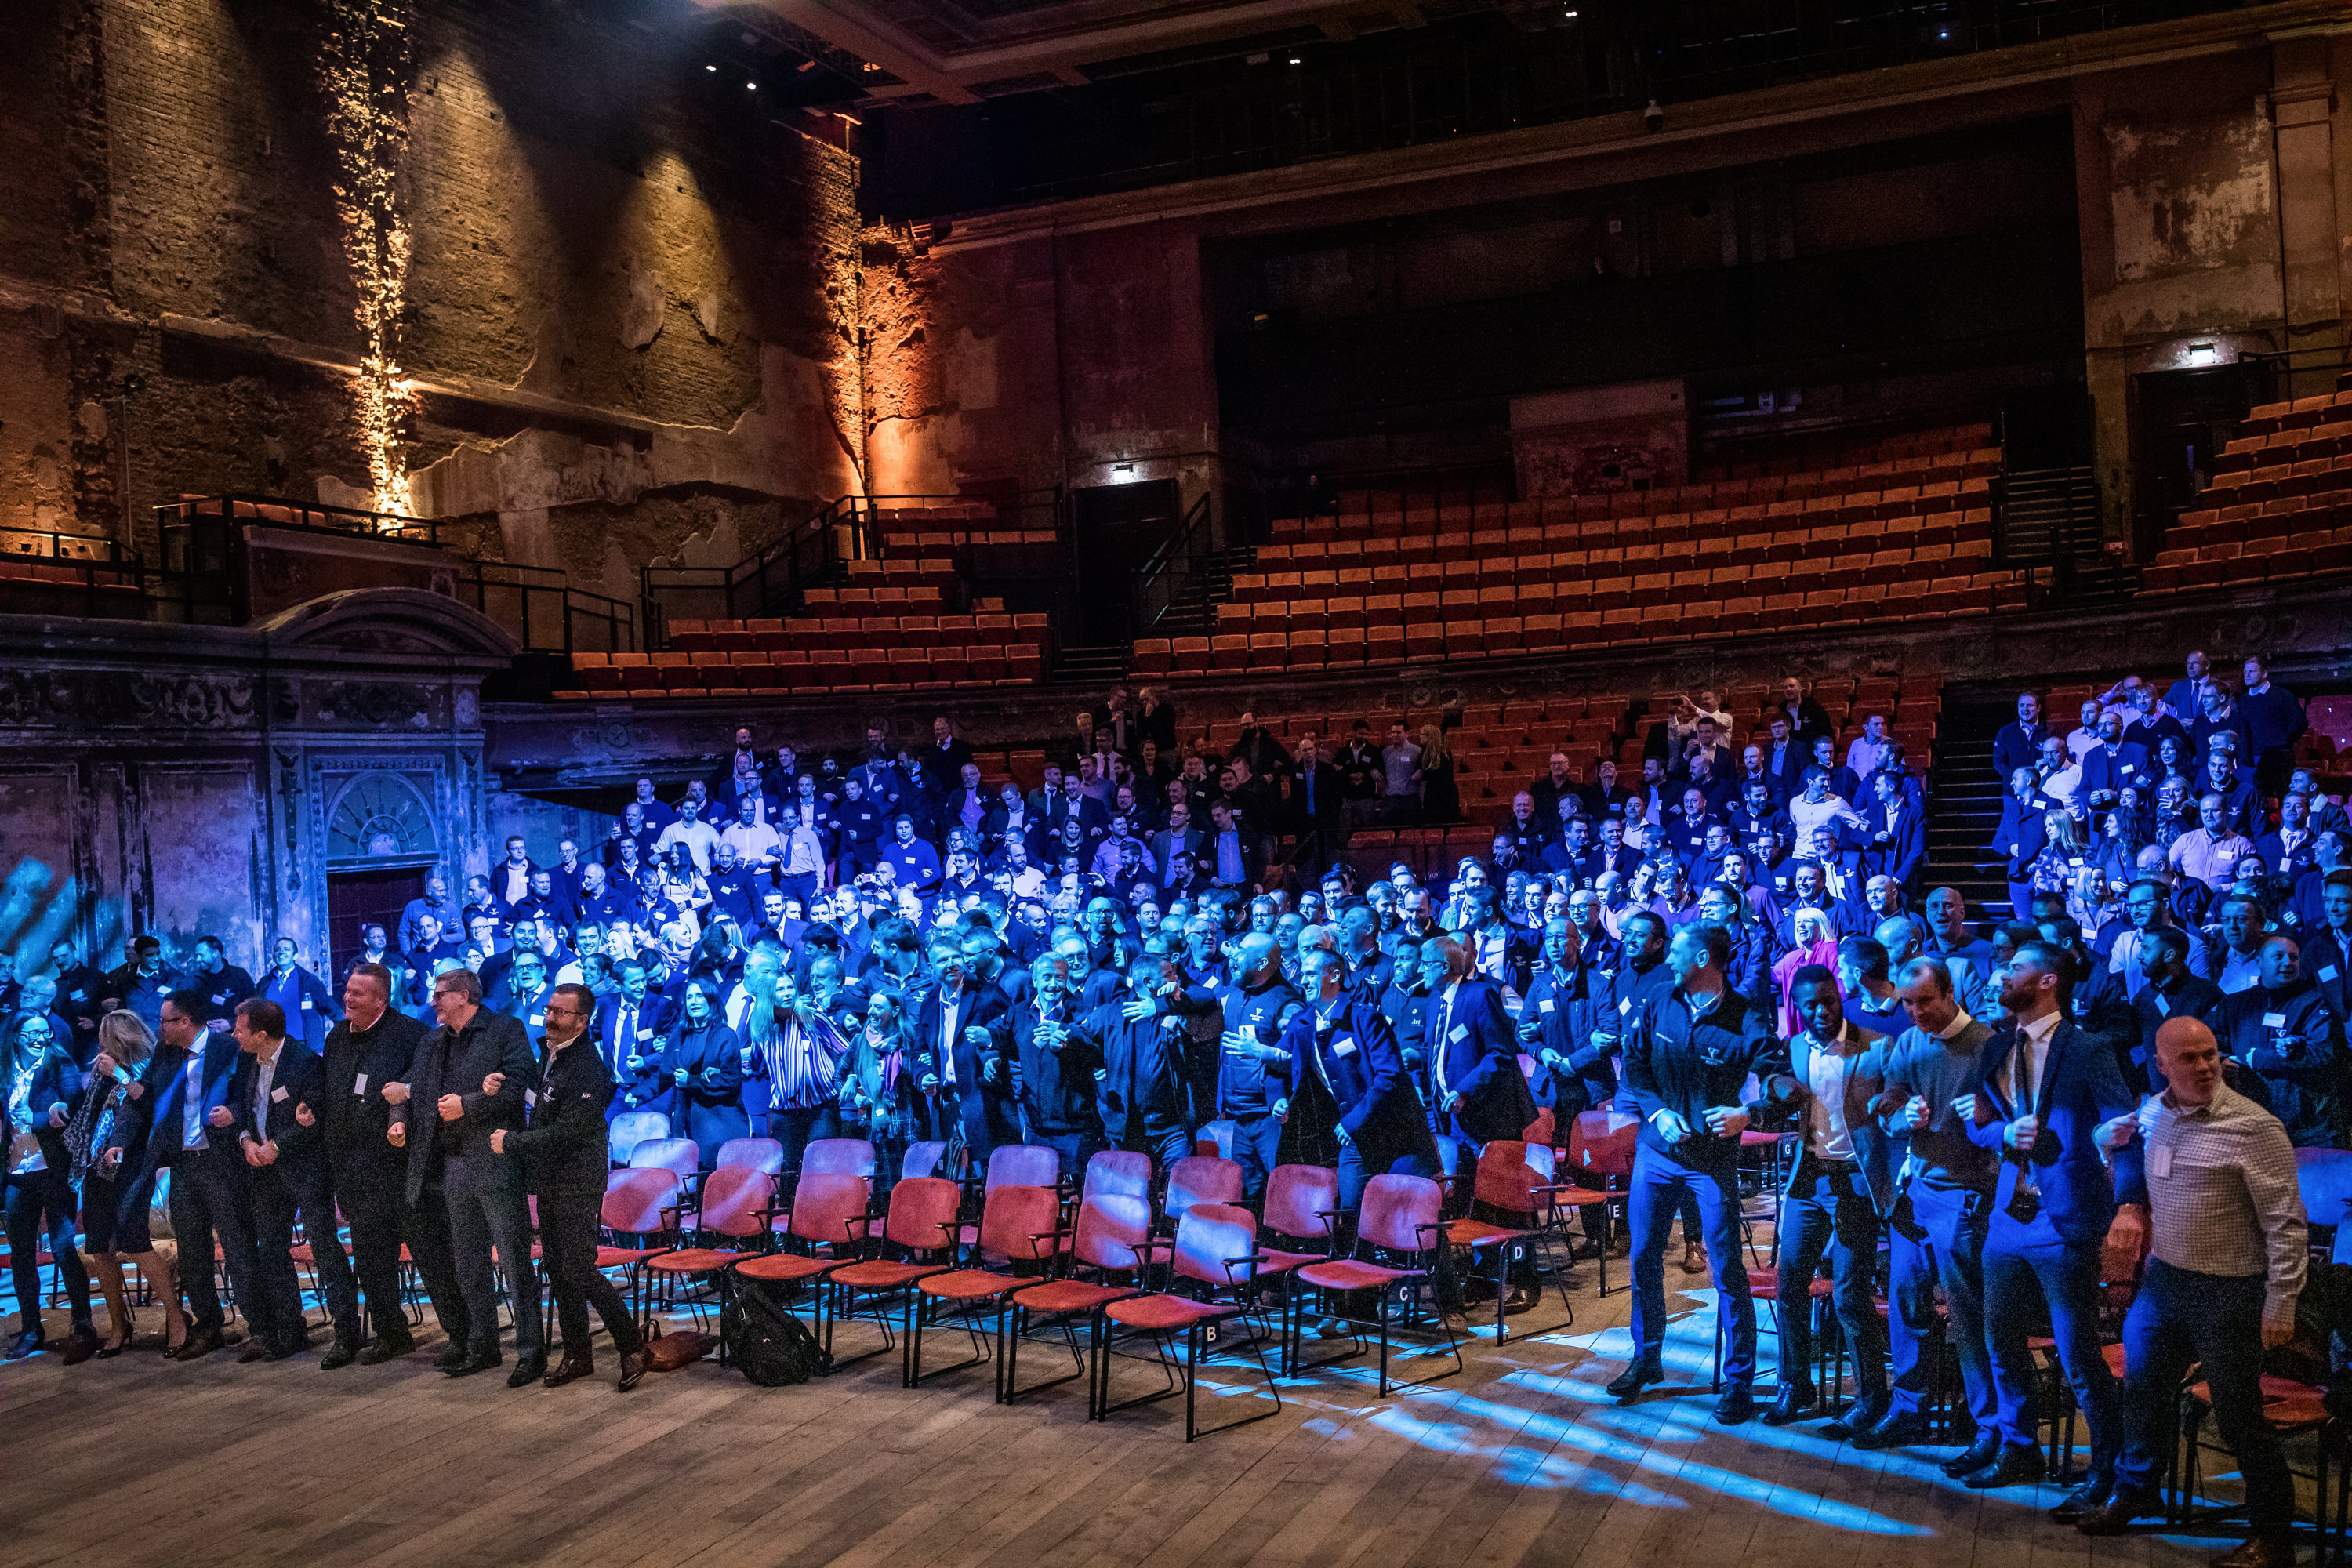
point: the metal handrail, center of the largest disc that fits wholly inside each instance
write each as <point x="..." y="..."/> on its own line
<point x="66" y="560"/>
<point x="1163" y="573"/>
<point x="279" y="511"/>
<point x="545" y="611"/>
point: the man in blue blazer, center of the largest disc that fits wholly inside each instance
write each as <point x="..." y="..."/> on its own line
<point x="2114" y="765"/>
<point x="1476" y="1092"/>
<point x="2045" y="1090"/>
<point x="2018" y="744"/>
<point x="1348" y="1085"/>
<point x="1895" y="837"/>
<point x="192" y="1130"/>
<point x="277" y="1098"/>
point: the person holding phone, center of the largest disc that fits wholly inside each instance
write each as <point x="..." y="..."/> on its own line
<point x="114" y="1208"/>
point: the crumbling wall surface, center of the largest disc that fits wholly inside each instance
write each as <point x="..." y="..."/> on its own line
<point x="607" y="250"/>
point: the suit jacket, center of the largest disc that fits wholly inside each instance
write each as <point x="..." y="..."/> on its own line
<point x="1865" y="1077"/>
<point x="352" y="1112"/>
<point x="455" y="1062"/>
<point x="1565" y="1018"/>
<point x="1056" y="1088"/>
<point x="655" y="1015"/>
<point x="2016" y="746"/>
<point x="2125" y="764"/>
<point x="2081" y="1088"/>
<point x="1355" y="1052"/>
<point x="298" y="1079"/>
<point x="157" y="1113"/>
<point x="1471" y="1053"/>
<point x="1904" y="848"/>
<point x="2327" y="959"/>
<point x="1159" y="1074"/>
<point x="986" y="1109"/>
<point x="2022" y="834"/>
<point x="708" y="1108"/>
<point x="562" y="1143"/>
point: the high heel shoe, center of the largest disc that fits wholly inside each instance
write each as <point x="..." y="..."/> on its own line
<point x="118" y="1339"/>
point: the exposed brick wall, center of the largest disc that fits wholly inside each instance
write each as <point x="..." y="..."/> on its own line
<point x="591" y="224"/>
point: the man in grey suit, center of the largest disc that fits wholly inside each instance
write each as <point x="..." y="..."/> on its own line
<point x="444" y="1117"/>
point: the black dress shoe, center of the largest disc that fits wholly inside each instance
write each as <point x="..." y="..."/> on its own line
<point x="1794" y="1403"/>
<point x="633" y="1370"/>
<point x="81" y="1344"/>
<point x="2114" y="1516"/>
<point x="253" y="1351"/>
<point x="1639" y="1374"/>
<point x="279" y="1349"/>
<point x="27" y="1343"/>
<point x="198" y="1346"/>
<point x="530" y="1367"/>
<point x="2084" y="1501"/>
<point x="1976" y="1456"/>
<point x="342" y="1352"/>
<point x="473" y="1361"/>
<point x="2017" y="1464"/>
<point x="2258" y="1551"/>
<point x="1896" y="1429"/>
<point x="384" y="1348"/>
<point x="1735" y="1407"/>
<point x="1860" y="1416"/>
<point x="570" y="1369"/>
<point x="454" y="1354"/>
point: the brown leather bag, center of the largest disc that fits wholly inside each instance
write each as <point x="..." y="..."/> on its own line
<point x="668" y="1352"/>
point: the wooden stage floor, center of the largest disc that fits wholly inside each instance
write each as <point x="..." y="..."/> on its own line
<point x="1521" y="1459"/>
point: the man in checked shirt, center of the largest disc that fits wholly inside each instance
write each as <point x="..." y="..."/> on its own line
<point x="2206" y="1181"/>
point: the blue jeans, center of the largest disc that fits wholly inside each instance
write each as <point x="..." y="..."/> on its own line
<point x="1938" y="1239"/>
<point x="1660" y="1181"/>
<point x="2021" y="1261"/>
<point x="1828" y="1210"/>
<point x="1165" y="1143"/>
<point x="1258" y="1149"/>
<point x="2179" y="1317"/>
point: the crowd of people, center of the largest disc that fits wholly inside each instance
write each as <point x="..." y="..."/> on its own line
<point x="1158" y="938"/>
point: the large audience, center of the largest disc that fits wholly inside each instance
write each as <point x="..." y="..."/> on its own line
<point x="1158" y="938"/>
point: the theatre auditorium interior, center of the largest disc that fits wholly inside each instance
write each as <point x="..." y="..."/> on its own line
<point x="1277" y="782"/>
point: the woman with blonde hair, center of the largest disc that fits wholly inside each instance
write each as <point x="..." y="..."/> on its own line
<point x="114" y="1214"/>
<point x="1440" y="800"/>
<point x="2061" y="856"/>
<point x="1816" y="943"/>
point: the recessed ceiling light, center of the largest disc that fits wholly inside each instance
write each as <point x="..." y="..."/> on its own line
<point x="711" y="68"/>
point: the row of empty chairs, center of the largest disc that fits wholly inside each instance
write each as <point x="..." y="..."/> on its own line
<point x="864" y="654"/>
<point x="1356" y="632"/>
<point x="2280" y="504"/>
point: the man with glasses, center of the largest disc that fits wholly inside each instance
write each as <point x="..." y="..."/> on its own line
<point x="461" y="1187"/>
<point x="190" y="1129"/>
<point x="562" y="1154"/>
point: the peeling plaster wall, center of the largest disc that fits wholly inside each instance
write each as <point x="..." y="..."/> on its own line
<point x="1043" y="361"/>
<point x="603" y="248"/>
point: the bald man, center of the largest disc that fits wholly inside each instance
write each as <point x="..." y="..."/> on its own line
<point x="2206" y="1185"/>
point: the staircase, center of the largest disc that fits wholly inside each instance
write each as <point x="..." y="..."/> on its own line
<point x="1964" y="804"/>
<point x="1193" y="613"/>
<point x="1097" y="665"/>
<point x="2049" y="520"/>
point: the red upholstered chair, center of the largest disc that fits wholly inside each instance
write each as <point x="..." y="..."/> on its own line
<point x="1601" y="1145"/>
<point x="631" y="1128"/>
<point x="759" y="1154"/>
<point x="1214" y="1257"/>
<point x="831" y="1213"/>
<point x="679" y="1156"/>
<point x="922" y="1159"/>
<point x="1200" y="1179"/>
<point x="1112" y="1236"/>
<point x="1117" y="1171"/>
<point x="1513" y="1182"/>
<point x="1399" y="1219"/>
<point x="735" y="1202"/>
<point x="917" y="1240"/>
<point x="1019" y="1222"/>
<point x="838" y="1157"/>
<point x="640" y="1207"/>
<point x="1215" y="1137"/>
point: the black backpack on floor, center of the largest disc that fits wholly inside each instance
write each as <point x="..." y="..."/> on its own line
<point x="767" y="1343"/>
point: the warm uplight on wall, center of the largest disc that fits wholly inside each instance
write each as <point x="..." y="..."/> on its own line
<point x="367" y="67"/>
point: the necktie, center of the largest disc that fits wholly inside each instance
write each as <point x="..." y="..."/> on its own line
<point x="192" y="1108"/>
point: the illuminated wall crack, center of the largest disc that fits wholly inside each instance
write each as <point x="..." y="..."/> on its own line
<point x="367" y="62"/>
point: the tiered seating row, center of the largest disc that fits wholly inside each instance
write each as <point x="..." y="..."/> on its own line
<point x="745" y="674"/>
<point x="2280" y="504"/>
<point x="1883" y="489"/>
<point x="1390" y="628"/>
